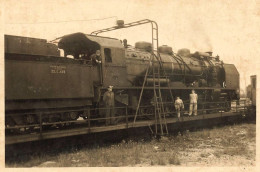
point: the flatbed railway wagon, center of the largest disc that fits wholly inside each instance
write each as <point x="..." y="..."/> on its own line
<point x="43" y="88"/>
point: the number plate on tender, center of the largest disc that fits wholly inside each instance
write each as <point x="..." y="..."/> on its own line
<point x="58" y="69"/>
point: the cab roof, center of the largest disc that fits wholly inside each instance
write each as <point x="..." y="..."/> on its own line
<point x="80" y="42"/>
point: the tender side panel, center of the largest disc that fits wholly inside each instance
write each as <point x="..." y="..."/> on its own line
<point x="46" y="80"/>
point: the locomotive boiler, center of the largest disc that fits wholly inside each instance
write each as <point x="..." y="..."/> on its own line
<point x="183" y="68"/>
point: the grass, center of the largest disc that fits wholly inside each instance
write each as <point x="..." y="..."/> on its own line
<point x="182" y="149"/>
<point x="174" y="160"/>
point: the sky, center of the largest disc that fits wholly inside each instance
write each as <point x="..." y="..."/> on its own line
<point x="228" y="28"/>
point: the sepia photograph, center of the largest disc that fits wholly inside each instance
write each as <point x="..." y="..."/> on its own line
<point x="134" y="83"/>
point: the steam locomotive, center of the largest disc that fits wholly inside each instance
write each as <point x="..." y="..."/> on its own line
<point x="39" y="80"/>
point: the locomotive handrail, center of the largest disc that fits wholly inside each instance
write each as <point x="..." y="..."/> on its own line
<point x="119" y="107"/>
<point x="141" y="115"/>
<point x="168" y="75"/>
<point x="177" y="60"/>
<point x="132" y="24"/>
<point x="83" y="121"/>
<point x="181" y="59"/>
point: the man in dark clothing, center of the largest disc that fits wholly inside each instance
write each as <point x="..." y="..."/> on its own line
<point x="109" y="100"/>
<point x="96" y="58"/>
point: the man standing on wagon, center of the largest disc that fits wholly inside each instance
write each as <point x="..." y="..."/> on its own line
<point x="179" y="106"/>
<point x="193" y="103"/>
<point x="109" y="100"/>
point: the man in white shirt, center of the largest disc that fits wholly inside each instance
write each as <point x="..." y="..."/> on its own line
<point x="193" y="103"/>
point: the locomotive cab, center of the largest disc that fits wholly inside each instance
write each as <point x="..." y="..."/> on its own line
<point x="111" y="70"/>
<point x="113" y="64"/>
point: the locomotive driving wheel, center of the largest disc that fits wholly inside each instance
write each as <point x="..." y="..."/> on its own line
<point x="30" y="119"/>
<point x="73" y="115"/>
<point x="9" y="121"/>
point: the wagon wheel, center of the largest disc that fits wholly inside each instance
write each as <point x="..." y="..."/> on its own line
<point x="227" y="106"/>
<point x="73" y="116"/>
<point x="30" y="119"/>
<point x="9" y="121"/>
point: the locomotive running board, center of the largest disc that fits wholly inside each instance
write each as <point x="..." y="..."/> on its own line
<point x="85" y="130"/>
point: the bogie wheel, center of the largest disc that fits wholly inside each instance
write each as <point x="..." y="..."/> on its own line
<point x="227" y="106"/>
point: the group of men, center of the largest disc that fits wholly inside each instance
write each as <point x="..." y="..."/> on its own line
<point x="193" y="104"/>
<point x="109" y="100"/>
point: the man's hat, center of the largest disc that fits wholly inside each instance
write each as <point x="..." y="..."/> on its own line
<point x="110" y="86"/>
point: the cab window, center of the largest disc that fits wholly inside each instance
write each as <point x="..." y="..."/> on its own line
<point x="108" y="57"/>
